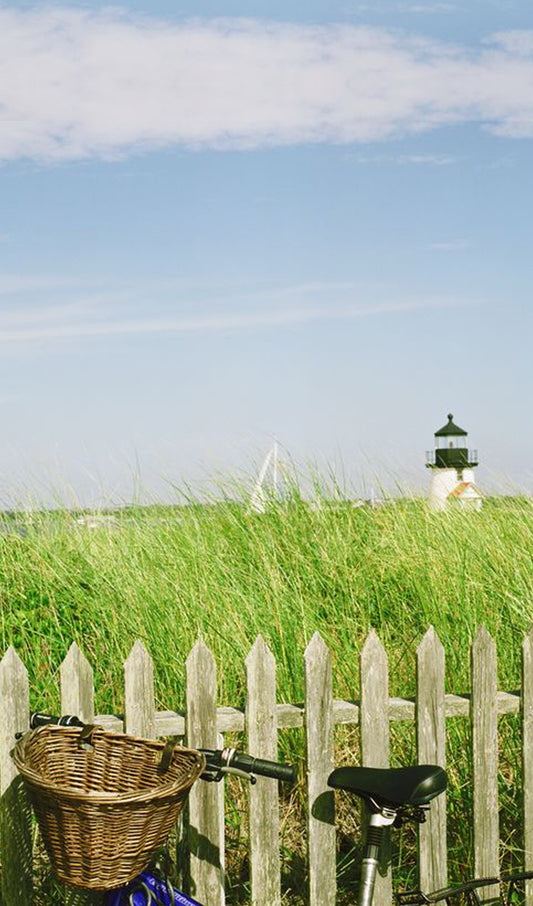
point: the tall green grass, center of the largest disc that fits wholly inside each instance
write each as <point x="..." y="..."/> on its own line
<point x="169" y="574"/>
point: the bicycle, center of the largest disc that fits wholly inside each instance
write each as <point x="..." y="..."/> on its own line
<point x="392" y="796"/>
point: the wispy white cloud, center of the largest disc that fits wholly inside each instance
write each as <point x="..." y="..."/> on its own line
<point x="429" y="7"/>
<point x="115" y="312"/>
<point x="76" y="83"/>
<point x="437" y="6"/>
<point x="428" y="160"/>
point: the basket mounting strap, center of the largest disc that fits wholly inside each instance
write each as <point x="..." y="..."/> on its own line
<point x="85" y="739"/>
<point x="166" y="754"/>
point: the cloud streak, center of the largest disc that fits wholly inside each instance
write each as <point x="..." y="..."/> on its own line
<point x="70" y="321"/>
<point x="77" y="84"/>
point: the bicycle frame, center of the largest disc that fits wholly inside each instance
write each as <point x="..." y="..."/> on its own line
<point x="469" y="890"/>
<point x="148" y="890"/>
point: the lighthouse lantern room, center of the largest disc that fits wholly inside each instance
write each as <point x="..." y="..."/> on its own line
<point x="452" y="465"/>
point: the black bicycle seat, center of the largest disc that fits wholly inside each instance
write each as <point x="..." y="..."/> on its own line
<point x="397" y="786"/>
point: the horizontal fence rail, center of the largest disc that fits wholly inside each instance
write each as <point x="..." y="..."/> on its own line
<point x="203" y="723"/>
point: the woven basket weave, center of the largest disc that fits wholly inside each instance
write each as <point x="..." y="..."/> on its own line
<point x="103" y="809"/>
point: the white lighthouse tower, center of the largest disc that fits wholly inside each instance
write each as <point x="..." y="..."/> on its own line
<point x="452" y="470"/>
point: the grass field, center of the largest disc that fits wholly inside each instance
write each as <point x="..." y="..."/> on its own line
<point x="166" y="575"/>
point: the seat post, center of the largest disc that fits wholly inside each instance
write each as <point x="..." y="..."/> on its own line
<point x="378" y="821"/>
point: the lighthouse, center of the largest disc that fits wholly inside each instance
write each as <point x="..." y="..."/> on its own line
<point x="452" y="470"/>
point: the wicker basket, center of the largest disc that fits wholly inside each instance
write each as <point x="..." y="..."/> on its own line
<point x="105" y="805"/>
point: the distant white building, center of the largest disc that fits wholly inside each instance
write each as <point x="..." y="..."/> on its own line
<point x="452" y="470"/>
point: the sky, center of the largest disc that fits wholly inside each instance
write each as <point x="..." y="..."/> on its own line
<point x="224" y="224"/>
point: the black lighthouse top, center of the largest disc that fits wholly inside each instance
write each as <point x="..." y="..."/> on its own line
<point x="451" y="430"/>
<point x="450" y="450"/>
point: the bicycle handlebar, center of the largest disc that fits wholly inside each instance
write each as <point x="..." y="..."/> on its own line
<point x="218" y="761"/>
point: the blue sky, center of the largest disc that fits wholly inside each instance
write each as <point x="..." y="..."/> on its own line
<point x="227" y="223"/>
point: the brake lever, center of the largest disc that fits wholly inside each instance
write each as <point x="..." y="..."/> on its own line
<point x="215" y="776"/>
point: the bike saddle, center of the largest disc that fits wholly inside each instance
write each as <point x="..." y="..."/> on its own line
<point x="395" y="786"/>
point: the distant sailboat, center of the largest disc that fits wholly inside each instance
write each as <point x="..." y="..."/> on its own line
<point x="267" y="485"/>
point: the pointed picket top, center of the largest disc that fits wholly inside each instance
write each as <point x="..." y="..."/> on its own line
<point x="372" y="651"/>
<point x="139" y="692"/>
<point x="261" y="713"/>
<point x="76" y="658"/>
<point x="14" y="710"/>
<point x="14" y="693"/>
<point x="527" y="658"/>
<point x="201" y="685"/>
<point x="260" y="653"/>
<point x="317" y="650"/>
<point x="14" y="686"/>
<point x="527" y="644"/>
<point x="430" y="642"/>
<point x="372" y="638"/>
<point x="198" y="653"/>
<point x="77" y="689"/>
<point x="484" y="669"/>
<point x="138" y="654"/>
<point x="483" y="639"/>
<point x="12" y="663"/>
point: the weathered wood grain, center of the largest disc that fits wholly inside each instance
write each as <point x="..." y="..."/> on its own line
<point x="484" y="717"/>
<point x="319" y="727"/>
<point x="205" y="830"/>
<point x="262" y="739"/>
<point x="77" y="697"/>
<point x="431" y="749"/>
<point x="527" y="760"/>
<point x="15" y="810"/>
<point x="139" y="692"/>
<point x="375" y="738"/>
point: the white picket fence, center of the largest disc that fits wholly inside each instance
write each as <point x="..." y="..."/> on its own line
<point x="203" y="725"/>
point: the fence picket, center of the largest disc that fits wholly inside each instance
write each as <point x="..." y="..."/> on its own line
<point x="15" y="810"/>
<point x="139" y="692"/>
<point x="484" y="719"/>
<point x="77" y="689"/>
<point x="320" y="762"/>
<point x="431" y="743"/>
<point x="206" y="839"/>
<point x="262" y="737"/>
<point x="375" y="737"/>
<point x="527" y="761"/>
<point x="77" y="697"/>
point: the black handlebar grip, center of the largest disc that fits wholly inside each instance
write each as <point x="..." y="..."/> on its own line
<point x="273" y="769"/>
<point x="37" y="719"/>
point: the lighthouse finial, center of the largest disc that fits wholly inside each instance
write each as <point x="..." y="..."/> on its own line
<point x="450" y="416"/>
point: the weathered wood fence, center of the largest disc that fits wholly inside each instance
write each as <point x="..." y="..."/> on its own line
<point x="203" y="725"/>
